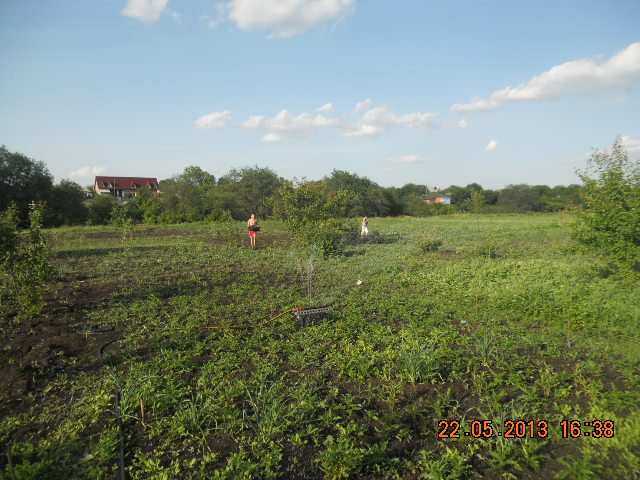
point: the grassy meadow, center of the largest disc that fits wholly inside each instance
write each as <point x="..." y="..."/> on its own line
<point x="461" y="318"/>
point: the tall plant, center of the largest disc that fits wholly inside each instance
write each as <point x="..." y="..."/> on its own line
<point x="609" y="219"/>
<point x="311" y="212"/>
<point x="25" y="266"/>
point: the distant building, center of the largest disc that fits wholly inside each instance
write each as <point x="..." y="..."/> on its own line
<point x="434" y="195"/>
<point x="124" y="187"/>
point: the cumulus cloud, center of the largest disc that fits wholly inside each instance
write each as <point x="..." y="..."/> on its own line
<point x="463" y="123"/>
<point x="213" y="121"/>
<point x="285" y="18"/>
<point x="377" y="120"/>
<point x="582" y="76"/>
<point x="491" y="146"/>
<point x="363" y="105"/>
<point x="287" y="126"/>
<point x="254" y="122"/>
<point x="88" y="171"/>
<point x="410" y="159"/>
<point x="148" y="11"/>
<point x="327" y="107"/>
<point x="631" y="145"/>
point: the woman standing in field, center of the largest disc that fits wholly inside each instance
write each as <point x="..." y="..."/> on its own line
<point x="253" y="227"/>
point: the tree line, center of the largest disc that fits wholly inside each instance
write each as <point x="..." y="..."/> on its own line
<point x="196" y="195"/>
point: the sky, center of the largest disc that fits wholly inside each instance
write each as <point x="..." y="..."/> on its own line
<point x="401" y="91"/>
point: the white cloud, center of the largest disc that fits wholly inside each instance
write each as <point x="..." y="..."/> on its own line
<point x="377" y="120"/>
<point x="285" y="18"/>
<point x="412" y="158"/>
<point x="287" y="126"/>
<point x="213" y="121"/>
<point x="254" y="122"/>
<point x="146" y="10"/>
<point x="582" y="76"/>
<point x="177" y="17"/>
<point x="630" y="145"/>
<point x="88" y="171"/>
<point x="327" y="107"/>
<point x="463" y="123"/>
<point x="360" y="106"/>
<point x="491" y="146"/>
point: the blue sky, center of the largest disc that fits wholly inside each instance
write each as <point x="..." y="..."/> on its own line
<point x="435" y="92"/>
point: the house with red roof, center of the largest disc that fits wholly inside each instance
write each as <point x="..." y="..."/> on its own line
<point x="124" y="187"/>
<point x="434" y="195"/>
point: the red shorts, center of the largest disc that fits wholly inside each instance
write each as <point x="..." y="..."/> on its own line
<point x="252" y="233"/>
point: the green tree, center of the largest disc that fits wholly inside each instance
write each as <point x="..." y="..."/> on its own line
<point x="147" y="205"/>
<point x="100" y="209"/>
<point x="67" y="204"/>
<point x="415" y="206"/>
<point x="609" y="218"/>
<point x="459" y="195"/>
<point x="195" y="177"/>
<point x="518" y="198"/>
<point x="22" y="181"/>
<point x="477" y="201"/>
<point x="251" y="187"/>
<point x="312" y="211"/>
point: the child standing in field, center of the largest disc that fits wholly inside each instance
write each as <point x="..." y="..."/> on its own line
<point x="253" y="227"/>
<point x="365" y="227"/>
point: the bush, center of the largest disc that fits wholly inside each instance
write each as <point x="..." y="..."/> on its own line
<point x="427" y="245"/>
<point x="226" y="229"/>
<point x="609" y="219"/>
<point x="100" y="209"/>
<point x="329" y="236"/>
<point x="24" y="266"/>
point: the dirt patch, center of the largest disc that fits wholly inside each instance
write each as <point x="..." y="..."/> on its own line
<point x="34" y="352"/>
<point x="264" y="239"/>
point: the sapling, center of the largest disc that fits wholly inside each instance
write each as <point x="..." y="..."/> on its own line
<point x="25" y="265"/>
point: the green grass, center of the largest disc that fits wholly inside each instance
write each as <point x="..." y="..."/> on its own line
<point x="498" y="318"/>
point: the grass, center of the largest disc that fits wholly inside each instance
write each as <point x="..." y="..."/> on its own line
<point x="461" y="317"/>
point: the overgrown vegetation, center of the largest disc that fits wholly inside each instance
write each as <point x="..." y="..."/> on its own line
<point x="196" y="195"/>
<point x="313" y="213"/>
<point x="497" y="319"/>
<point x="25" y="264"/>
<point x="609" y="220"/>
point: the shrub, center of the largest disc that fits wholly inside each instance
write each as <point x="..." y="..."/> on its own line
<point x="24" y="266"/>
<point x="329" y="236"/>
<point x="427" y="245"/>
<point x="226" y="229"/>
<point x="100" y="209"/>
<point x="609" y="219"/>
<point x="123" y="222"/>
<point x="310" y="210"/>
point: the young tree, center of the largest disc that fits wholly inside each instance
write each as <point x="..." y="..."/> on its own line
<point x="312" y="211"/>
<point x="25" y="264"/>
<point x="609" y="218"/>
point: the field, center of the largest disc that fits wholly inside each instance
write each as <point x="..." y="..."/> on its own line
<point x="462" y="318"/>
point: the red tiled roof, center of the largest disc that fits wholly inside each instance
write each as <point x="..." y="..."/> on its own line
<point x="125" y="183"/>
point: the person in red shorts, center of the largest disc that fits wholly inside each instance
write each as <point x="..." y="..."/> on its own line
<point x="252" y="225"/>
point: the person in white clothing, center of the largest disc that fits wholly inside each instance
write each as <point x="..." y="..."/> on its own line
<point x="365" y="227"/>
